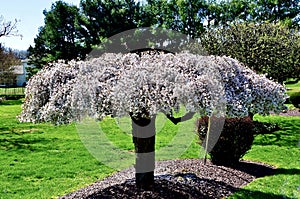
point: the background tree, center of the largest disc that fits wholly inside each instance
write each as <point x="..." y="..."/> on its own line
<point x="7" y="56"/>
<point x="7" y="61"/>
<point x="60" y="37"/>
<point x="277" y="10"/>
<point x="266" y="48"/>
<point x="105" y="18"/>
<point x="70" y="32"/>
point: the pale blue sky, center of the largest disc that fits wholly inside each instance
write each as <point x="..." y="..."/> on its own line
<point x="30" y="12"/>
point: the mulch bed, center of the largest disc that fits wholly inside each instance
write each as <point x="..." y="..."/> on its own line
<point x="188" y="178"/>
<point x="295" y="112"/>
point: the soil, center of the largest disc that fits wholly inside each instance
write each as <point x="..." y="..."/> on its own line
<point x="295" y="112"/>
<point x="188" y="178"/>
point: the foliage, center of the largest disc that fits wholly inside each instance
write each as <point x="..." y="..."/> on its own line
<point x="267" y="48"/>
<point x="80" y="29"/>
<point x="295" y="99"/>
<point x="106" y="18"/>
<point x="60" y="38"/>
<point x="71" y="33"/>
<point x="235" y="140"/>
<point x="63" y="92"/>
<point x="277" y="10"/>
<point x="7" y="61"/>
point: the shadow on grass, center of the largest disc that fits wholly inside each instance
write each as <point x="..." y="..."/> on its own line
<point x="290" y="171"/>
<point x="28" y="143"/>
<point x="288" y="136"/>
<point x="11" y="102"/>
<point x="260" y="170"/>
<point x="250" y="194"/>
<point x="255" y="169"/>
<point x="168" y="186"/>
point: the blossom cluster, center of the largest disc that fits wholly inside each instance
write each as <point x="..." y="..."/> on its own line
<point x="143" y="85"/>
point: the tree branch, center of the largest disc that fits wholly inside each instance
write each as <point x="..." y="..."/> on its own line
<point x="8" y="28"/>
<point x="186" y="117"/>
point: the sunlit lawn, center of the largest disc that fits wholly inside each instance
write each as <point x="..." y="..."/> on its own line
<point x="293" y="88"/>
<point x="44" y="161"/>
<point x="281" y="149"/>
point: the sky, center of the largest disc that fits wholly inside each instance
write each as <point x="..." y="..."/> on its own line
<point x="30" y="14"/>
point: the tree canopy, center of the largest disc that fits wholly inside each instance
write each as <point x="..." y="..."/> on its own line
<point x="269" y="48"/>
<point x="60" y="38"/>
<point x="71" y="32"/>
<point x="116" y="84"/>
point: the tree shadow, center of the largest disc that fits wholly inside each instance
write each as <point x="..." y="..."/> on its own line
<point x="29" y="143"/>
<point x="260" y="170"/>
<point x="290" y="171"/>
<point x="255" y="169"/>
<point x="186" y="185"/>
<point x="242" y="193"/>
<point x="288" y="135"/>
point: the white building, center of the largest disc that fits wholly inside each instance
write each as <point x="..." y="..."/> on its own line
<point x="21" y="72"/>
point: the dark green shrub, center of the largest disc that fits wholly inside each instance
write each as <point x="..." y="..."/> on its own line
<point x="235" y="140"/>
<point x="295" y="99"/>
<point x="265" y="127"/>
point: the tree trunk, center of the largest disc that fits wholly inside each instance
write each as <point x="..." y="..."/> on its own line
<point x="143" y="131"/>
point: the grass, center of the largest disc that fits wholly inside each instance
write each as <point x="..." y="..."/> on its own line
<point x="47" y="161"/>
<point x="293" y="88"/>
<point x="280" y="149"/>
<point x="42" y="161"/>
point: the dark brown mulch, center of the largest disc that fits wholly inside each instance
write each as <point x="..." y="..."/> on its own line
<point x="295" y="112"/>
<point x="188" y="178"/>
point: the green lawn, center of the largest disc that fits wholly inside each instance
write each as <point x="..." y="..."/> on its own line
<point x="46" y="161"/>
<point x="281" y="149"/>
<point x="293" y="88"/>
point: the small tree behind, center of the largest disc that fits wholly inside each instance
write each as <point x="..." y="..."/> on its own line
<point x="7" y="61"/>
<point x="267" y="48"/>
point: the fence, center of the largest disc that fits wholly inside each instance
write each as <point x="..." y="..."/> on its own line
<point x="12" y="92"/>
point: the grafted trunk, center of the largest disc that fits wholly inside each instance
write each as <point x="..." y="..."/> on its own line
<point x="143" y="131"/>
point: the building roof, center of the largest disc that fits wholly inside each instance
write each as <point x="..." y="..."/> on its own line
<point x="18" y="70"/>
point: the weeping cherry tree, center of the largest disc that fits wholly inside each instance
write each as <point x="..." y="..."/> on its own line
<point x="141" y="86"/>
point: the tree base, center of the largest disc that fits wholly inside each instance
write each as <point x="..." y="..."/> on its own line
<point x="145" y="181"/>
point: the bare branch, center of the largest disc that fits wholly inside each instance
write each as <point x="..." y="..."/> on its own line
<point x="8" y="28"/>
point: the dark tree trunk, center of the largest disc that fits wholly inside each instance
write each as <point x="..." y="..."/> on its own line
<point x="143" y="131"/>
